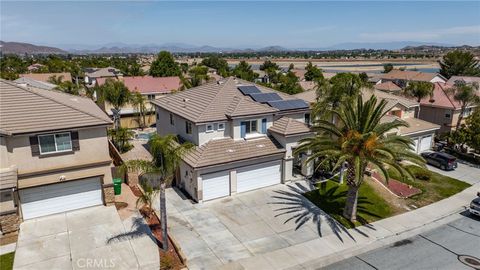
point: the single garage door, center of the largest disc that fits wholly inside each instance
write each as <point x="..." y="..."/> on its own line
<point x="216" y="185"/>
<point x="258" y="176"/>
<point x="57" y="198"/>
<point x="425" y="144"/>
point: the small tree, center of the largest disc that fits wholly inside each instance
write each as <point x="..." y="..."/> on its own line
<point x="139" y="103"/>
<point x="467" y="95"/>
<point x="387" y="68"/>
<point x="244" y="71"/>
<point x="457" y="63"/>
<point x="473" y="127"/>
<point x="419" y="90"/>
<point x="118" y="95"/>
<point x="164" y="66"/>
<point x="313" y="73"/>
<point x="198" y="75"/>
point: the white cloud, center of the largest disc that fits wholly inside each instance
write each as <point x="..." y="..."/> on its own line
<point x="432" y="35"/>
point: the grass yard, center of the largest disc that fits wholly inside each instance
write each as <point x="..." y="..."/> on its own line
<point x="436" y="188"/>
<point x="371" y="206"/>
<point x="6" y="261"/>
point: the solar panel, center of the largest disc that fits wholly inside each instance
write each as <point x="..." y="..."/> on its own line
<point x="284" y="105"/>
<point x="265" y="97"/>
<point x="248" y="89"/>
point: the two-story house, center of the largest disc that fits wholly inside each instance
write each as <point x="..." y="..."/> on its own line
<point x="150" y="88"/>
<point x="397" y="107"/>
<point x="245" y="135"/>
<point x="92" y="74"/>
<point x="402" y="77"/>
<point x="53" y="154"/>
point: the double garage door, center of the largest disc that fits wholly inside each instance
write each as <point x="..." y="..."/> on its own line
<point x="216" y="185"/>
<point x="58" y="198"/>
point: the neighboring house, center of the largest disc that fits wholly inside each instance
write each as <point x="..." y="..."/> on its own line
<point x="92" y="74"/>
<point x="35" y="67"/>
<point x="307" y="85"/>
<point x="24" y="81"/>
<point x="54" y="154"/>
<point x="422" y="132"/>
<point x="244" y="134"/>
<point x="387" y="86"/>
<point x="45" y="77"/>
<point x="441" y="108"/>
<point x="151" y="88"/>
<point x="463" y="79"/>
<point x="401" y="78"/>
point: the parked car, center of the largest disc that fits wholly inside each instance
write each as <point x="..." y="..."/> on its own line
<point x="441" y="160"/>
<point x="475" y="206"/>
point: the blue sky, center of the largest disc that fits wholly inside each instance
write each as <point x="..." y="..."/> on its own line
<point x="240" y="24"/>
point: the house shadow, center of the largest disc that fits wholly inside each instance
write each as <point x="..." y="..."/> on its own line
<point x="300" y="210"/>
<point x="138" y="229"/>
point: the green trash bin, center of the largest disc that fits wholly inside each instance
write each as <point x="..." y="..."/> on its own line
<point x="117" y="186"/>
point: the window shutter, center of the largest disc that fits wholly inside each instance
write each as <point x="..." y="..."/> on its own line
<point x="75" y="141"/>
<point x="243" y="129"/>
<point x="34" y="146"/>
<point x="264" y="125"/>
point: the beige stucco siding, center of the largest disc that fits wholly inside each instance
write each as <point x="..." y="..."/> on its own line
<point x="437" y="116"/>
<point x="93" y="150"/>
<point x="237" y="125"/>
<point x="204" y="136"/>
<point x="164" y="127"/>
<point x="3" y="153"/>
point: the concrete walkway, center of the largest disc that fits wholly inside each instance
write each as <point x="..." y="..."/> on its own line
<point x="246" y="231"/>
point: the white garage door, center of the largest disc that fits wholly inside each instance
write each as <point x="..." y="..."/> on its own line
<point x="258" y="176"/>
<point x="57" y="198"/>
<point x="216" y="185"/>
<point x="425" y="143"/>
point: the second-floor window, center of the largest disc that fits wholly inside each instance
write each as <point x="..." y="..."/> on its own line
<point x="307" y="119"/>
<point x="172" y="122"/>
<point x="53" y="143"/>
<point x="150" y="97"/>
<point x="188" y="127"/>
<point x="209" y="127"/>
<point x="248" y="127"/>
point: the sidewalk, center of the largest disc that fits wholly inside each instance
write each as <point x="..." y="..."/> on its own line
<point x="330" y="249"/>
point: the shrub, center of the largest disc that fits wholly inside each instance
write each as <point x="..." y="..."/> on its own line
<point x="167" y="262"/>
<point x="423" y="175"/>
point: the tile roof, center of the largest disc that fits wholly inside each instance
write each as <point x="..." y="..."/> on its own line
<point x="227" y="150"/>
<point x="215" y="101"/>
<point x="102" y="72"/>
<point x="441" y="98"/>
<point x="24" y="81"/>
<point x="287" y="126"/>
<point x="44" y="77"/>
<point x="392" y="100"/>
<point x="387" y="86"/>
<point x="309" y="96"/>
<point x="415" y="125"/>
<point x="409" y="75"/>
<point x="465" y="79"/>
<point x="148" y="84"/>
<point x="28" y="109"/>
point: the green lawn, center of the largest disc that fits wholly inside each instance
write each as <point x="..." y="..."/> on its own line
<point x="6" y="261"/>
<point x="436" y="188"/>
<point x="371" y="206"/>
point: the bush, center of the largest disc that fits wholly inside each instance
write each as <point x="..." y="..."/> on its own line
<point x="423" y="175"/>
<point x="167" y="262"/>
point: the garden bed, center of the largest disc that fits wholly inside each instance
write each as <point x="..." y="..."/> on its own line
<point x="398" y="188"/>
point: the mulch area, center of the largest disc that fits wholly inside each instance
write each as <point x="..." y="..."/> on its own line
<point x="168" y="259"/>
<point x="398" y="188"/>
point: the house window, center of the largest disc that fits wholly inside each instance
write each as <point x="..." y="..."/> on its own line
<point x="209" y="128"/>
<point x="53" y="143"/>
<point x="249" y="127"/>
<point x="150" y="97"/>
<point x="447" y="115"/>
<point x="467" y="112"/>
<point x="172" y="122"/>
<point x="188" y="127"/>
<point x="221" y="126"/>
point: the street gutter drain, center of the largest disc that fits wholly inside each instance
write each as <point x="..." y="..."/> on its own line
<point x="469" y="261"/>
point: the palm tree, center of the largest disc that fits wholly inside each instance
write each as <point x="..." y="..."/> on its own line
<point x="117" y="94"/>
<point x="362" y="141"/>
<point x="467" y="95"/>
<point x="419" y="90"/>
<point x="139" y="103"/>
<point x="167" y="153"/>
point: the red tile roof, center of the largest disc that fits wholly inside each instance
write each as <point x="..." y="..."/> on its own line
<point x="149" y="84"/>
<point x="441" y="98"/>
<point x="387" y="86"/>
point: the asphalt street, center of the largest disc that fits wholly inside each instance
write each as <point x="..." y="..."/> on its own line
<point x="441" y="248"/>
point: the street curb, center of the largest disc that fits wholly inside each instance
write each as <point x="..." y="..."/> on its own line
<point x="5" y="249"/>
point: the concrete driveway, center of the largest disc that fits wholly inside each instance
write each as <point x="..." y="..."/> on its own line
<point x="214" y="233"/>
<point x="91" y="238"/>
<point x="465" y="172"/>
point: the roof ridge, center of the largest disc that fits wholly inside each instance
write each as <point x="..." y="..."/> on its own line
<point x="447" y="95"/>
<point x="52" y="99"/>
<point x="223" y="85"/>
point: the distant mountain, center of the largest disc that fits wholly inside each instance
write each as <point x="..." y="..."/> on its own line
<point x="381" y="45"/>
<point x="27" y="48"/>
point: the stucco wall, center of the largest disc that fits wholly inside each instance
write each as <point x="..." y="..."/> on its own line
<point x="237" y="126"/>
<point x="3" y="153"/>
<point x="437" y="116"/>
<point x="204" y="136"/>
<point x="93" y="149"/>
<point x="164" y="127"/>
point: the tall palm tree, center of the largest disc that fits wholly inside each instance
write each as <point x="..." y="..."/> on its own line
<point x="467" y="95"/>
<point x="167" y="153"/>
<point x="419" y="90"/>
<point x="118" y="95"/>
<point x="360" y="140"/>
<point x="139" y="103"/>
